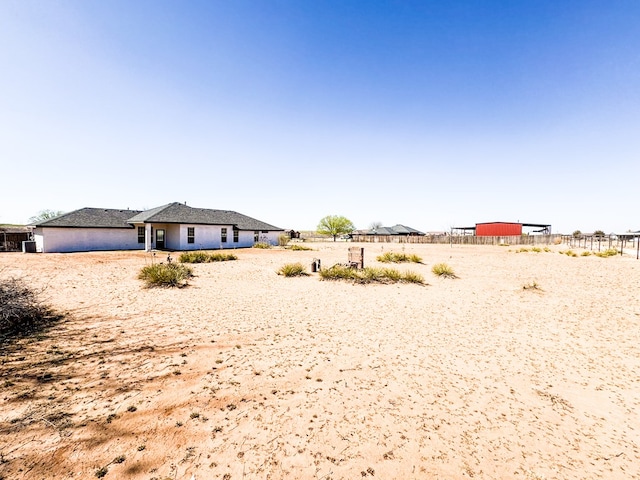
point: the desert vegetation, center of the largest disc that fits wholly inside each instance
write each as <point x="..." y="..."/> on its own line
<point x="370" y="275"/>
<point x="609" y="252"/>
<point x="21" y="310"/>
<point x="297" y="247"/>
<point x="293" y="270"/>
<point x="392" y="257"/>
<point x="166" y="274"/>
<point x="206" y="257"/>
<point x="443" y="270"/>
<point x="263" y="245"/>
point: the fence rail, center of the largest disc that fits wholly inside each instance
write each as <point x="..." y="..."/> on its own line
<point x="12" y="241"/>
<point x="462" y="239"/>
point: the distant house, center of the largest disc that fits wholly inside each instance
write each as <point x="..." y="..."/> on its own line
<point x="395" y="230"/>
<point x="174" y="226"/>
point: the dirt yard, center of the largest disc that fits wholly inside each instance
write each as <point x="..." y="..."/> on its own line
<point x="246" y="374"/>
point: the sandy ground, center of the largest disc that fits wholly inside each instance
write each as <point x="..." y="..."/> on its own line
<point x="249" y="375"/>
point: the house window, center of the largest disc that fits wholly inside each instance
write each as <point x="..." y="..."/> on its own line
<point x="223" y="235"/>
<point x="256" y="236"/>
<point x="236" y="236"/>
<point x="191" y="235"/>
<point x="140" y="234"/>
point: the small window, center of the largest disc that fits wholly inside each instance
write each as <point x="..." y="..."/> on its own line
<point x="191" y="235"/>
<point x="256" y="236"/>
<point x="140" y="234"/>
<point x="223" y="235"/>
<point x="236" y="236"/>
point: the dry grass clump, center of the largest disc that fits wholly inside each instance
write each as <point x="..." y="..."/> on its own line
<point x="370" y="275"/>
<point x="21" y="311"/>
<point x="283" y="240"/>
<point x="443" y="270"/>
<point x="609" y="252"/>
<point x="205" y="257"/>
<point x="532" y="286"/>
<point x="586" y="253"/>
<point x="391" y="257"/>
<point x="293" y="270"/>
<point x="264" y="245"/>
<point x="569" y="253"/>
<point x="166" y="275"/>
<point x="297" y="247"/>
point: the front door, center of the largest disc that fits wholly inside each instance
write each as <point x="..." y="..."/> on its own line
<point x="160" y="239"/>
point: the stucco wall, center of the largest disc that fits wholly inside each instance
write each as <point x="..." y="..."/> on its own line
<point x="207" y="237"/>
<point x="51" y="239"/>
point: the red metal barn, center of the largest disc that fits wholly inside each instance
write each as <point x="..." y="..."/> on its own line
<point x="498" y="229"/>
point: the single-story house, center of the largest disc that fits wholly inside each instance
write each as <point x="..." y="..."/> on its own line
<point x="395" y="230"/>
<point x="174" y="226"/>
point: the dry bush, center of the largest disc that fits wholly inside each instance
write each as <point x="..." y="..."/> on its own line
<point x="21" y="310"/>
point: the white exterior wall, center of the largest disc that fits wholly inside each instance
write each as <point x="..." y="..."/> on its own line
<point x="51" y="239"/>
<point x="207" y="237"/>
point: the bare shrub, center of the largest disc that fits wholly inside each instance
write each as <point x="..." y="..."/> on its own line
<point x="21" y="310"/>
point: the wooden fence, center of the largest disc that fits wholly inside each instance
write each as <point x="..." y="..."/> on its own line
<point x="11" y="241"/>
<point x="462" y="239"/>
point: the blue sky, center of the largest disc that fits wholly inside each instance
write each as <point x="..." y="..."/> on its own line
<point x="431" y="114"/>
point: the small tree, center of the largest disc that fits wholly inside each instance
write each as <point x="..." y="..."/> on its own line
<point x="598" y="234"/>
<point x="335" y="225"/>
<point x="45" y="215"/>
<point x="577" y="234"/>
<point x="375" y="225"/>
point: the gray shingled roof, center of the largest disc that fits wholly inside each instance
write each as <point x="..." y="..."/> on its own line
<point x="91" y="218"/>
<point x="181" y="213"/>
<point x="170" y="213"/>
<point x="403" y="229"/>
<point x="395" y="230"/>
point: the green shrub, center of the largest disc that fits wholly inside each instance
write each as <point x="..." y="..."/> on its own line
<point x="535" y="249"/>
<point x="205" y="257"/>
<point x="609" y="252"/>
<point x="297" y="247"/>
<point x="370" y="275"/>
<point x="547" y="249"/>
<point x="261" y="245"/>
<point x="522" y="250"/>
<point x="391" y="257"/>
<point x="166" y="275"/>
<point x="443" y="270"/>
<point x="293" y="270"/>
<point x="412" y="277"/>
<point x="193" y="257"/>
<point x="222" y="257"/>
<point x="586" y="253"/>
